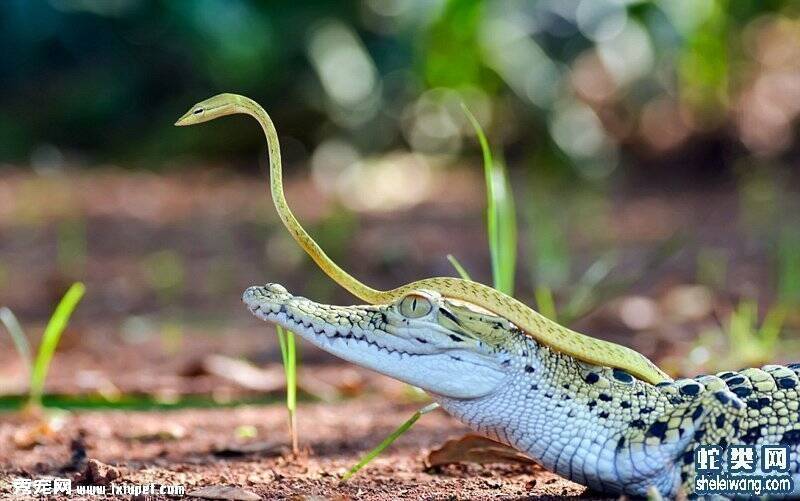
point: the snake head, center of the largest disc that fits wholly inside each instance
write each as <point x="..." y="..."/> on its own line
<point x="213" y="107"/>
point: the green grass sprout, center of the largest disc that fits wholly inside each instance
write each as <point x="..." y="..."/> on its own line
<point x="245" y="432"/>
<point x="745" y="341"/>
<point x="459" y="269"/>
<point x="598" y="284"/>
<point x="545" y="302"/>
<point x="288" y="344"/>
<point x="592" y="288"/>
<point x="551" y="261"/>
<point x="501" y="219"/>
<point x="389" y="440"/>
<point x="751" y="343"/>
<point x="52" y="335"/>
<point x="788" y="267"/>
<point x="14" y="329"/>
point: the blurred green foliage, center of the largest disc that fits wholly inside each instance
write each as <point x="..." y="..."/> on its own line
<point x="575" y="92"/>
<point x="584" y="84"/>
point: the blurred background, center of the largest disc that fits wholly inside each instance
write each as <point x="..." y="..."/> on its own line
<point x="652" y="147"/>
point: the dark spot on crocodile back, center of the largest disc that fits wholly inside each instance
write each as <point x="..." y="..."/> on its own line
<point x="752" y="435"/>
<point x="722" y="397"/>
<point x="622" y="376"/>
<point x="759" y="403"/>
<point x="791" y="437"/>
<point x="657" y="429"/>
<point x="742" y="391"/>
<point x="690" y="389"/>
<point x="638" y="423"/>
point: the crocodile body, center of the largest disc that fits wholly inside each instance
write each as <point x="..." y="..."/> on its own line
<point x="597" y="426"/>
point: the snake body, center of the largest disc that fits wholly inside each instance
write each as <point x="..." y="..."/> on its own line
<point x="559" y="338"/>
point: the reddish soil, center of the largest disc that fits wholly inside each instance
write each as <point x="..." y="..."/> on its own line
<point x="199" y="448"/>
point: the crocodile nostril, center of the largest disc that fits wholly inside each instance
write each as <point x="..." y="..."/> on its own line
<point x="276" y="288"/>
<point x="252" y="293"/>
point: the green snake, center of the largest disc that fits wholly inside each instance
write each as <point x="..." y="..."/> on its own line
<point x="545" y="331"/>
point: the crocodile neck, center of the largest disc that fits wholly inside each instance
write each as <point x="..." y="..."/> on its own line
<point x="584" y="422"/>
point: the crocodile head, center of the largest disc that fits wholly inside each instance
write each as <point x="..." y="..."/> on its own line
<point x="444" y="347"/>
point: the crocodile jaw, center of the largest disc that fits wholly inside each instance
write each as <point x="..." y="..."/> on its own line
<point x="414" y="358"/>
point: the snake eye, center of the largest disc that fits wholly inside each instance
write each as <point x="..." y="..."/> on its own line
<point x="415" y="306"/>
<point x="197" y="111"/>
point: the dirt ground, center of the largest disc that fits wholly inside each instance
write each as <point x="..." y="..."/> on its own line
<point x="198" y="448"/>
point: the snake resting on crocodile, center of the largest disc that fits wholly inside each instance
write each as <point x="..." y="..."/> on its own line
<point x="556" y="336"/>
<point x="598" y="426"/>
<point x="594" y="412"/>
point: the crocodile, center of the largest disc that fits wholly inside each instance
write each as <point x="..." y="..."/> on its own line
<point x="598" y="426"/>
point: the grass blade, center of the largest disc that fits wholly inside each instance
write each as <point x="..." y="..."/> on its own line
<point x="389" y="440"/>
<point x="590" y="287"/>
<point x="282" y="343"/>
<point x="460" y="269"/>
<point x="789" y="267"/>
<point x="545" y="302"/>
<point x="13" y="327"/>
<point x="50" y="338"/>
<point x="771" y="328"/>
<point x="287" y="341"/>
<point x="501" y="221"/>
<point x="506" y="230"/>
<point x="599" y="285"/>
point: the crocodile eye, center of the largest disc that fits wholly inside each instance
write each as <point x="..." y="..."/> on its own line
<point x="415" y="306"/>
